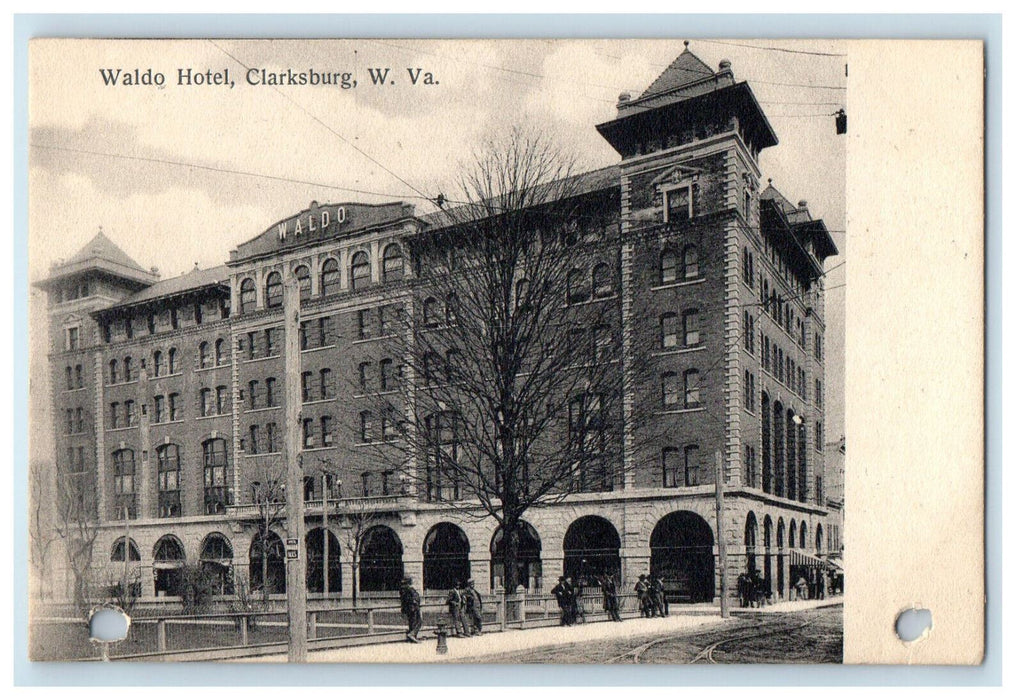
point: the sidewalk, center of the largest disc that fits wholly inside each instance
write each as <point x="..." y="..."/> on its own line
<point x="519" y="640"/>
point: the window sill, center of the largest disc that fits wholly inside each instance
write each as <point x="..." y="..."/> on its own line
<point x="674" y="411"/>
<point x="359" y="341"/>
<point x="673" y="285"/>
<point x="317" y="401"/>
<point x="590" y="300"/>
<point x="320" y="347"/>
<point x="252" y="455"/>
<point x="117" y="384"/>
<point x="375" y="443"/>
<point x="260" y="410"/>
<point x="260" y="359"/>
<point x="212" y="367"/>
<point x="77" y="388"/>
<point x="122" y="429"/>
<point x="321" y="448"/>
<point x="679" y="351"/>
<point x="167" y="376"/>
<point x="213" y="415"/>
<point x="167" y="422"/>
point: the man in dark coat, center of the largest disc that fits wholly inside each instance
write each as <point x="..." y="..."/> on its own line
<point x="610" y="591"/>
<point x="456" y="610"/>
<point x="410" y="608"/>
<point x="562" y="593"/>
<point x="642" y="589"/>
<point x="473" y="607"/>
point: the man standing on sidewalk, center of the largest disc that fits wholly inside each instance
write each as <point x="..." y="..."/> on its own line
<point x="410" y="608"/>
<point x="473" y="607"/>
<point x="456" y="605"/>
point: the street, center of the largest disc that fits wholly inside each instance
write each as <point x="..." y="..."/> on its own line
<point x="806" y="636"/>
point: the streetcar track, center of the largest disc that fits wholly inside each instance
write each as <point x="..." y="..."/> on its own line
<point x="707" y="652"/>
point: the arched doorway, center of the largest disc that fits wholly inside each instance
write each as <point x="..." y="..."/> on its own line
<point x="768" y="532"/>
<point x="750" y="541"/>
<point x="168" y="558"/>
<point x="215" y="560"/>
<point x="682" y="553"/>
<point x="314" y="562"/>
<point x="380" y="565"/>
<point x="445" y="557"/>
<point x="591" y="549"/>
<point x="529" y="568"/>
<point x="269" y="570"/>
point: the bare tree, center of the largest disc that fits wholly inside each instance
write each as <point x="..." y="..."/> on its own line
<point x="269" y="499"/>
<point x="511" y="394"/>
<point x="41" y="526"/>
<point x="77" y="528"/>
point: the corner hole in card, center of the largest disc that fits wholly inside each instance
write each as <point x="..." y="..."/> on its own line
<point x="108" y="624"/>
<point x="913" y="624"/>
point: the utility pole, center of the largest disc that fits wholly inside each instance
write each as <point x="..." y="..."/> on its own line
<point x="295" y="561"/>
<point x="719" y="497"/>
<point x="326" y="540"/>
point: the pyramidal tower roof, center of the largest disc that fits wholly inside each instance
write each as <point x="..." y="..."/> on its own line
<point x="686" y="94"/>
<point x="103" y="257"/>
<point x="684" y="70"/>
<point x="102" y="248"/>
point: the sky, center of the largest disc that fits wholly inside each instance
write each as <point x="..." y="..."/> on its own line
<point x="179" y="175"/>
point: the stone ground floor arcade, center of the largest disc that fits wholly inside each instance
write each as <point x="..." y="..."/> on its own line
<point x="671" y="535"/>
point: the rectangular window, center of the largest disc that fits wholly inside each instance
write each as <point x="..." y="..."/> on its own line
<point x="678" y="204"/>
<point x="750" y="463"/>
<point x="72" y="338"/>
<point x="159" y="408"/>
<point x="271" y="391"/>
<point x="386" y="483"/>
<point x="254" y="439"/>
<point x="172" y="407"/>
<point x="221" y="400"/>
<point x="307" y="433"/>
<point x="363" y="318"/>
<point x="748" y="333"/>
<point x="271" y="438"/>
<point x="306" y="378"/>
<point x="130" y="417"/>
<point x="115" y="414"/>
<point x="749" y="391"/>
<point x="367" y="484"/>
<point x="691" y="328"/>
<point x="271" y="337"/>
<point x="326" y="431"/>
<point x="670" y="467"/>
<point x="818" y="437"/>
<point x="691" y="455"/>
<point x="69" y="426"/>
<point x="818" y="347"/>
<point x="326" y="331"/>
<point x="818" y="392"/>
<point x="669" y="332"/>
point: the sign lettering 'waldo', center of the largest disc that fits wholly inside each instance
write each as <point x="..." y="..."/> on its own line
<point x="311" y="222"/>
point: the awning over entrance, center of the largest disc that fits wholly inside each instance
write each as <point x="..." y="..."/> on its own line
<point x="797" y="558"/>
<point x="837" y="565"/>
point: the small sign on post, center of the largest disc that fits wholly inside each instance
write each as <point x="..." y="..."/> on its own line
<point x="292" y="542"/>
<point x="293" y="554"/>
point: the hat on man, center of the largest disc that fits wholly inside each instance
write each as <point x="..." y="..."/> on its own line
<point x="407" y="579"/>
<point x="469" y="582"/>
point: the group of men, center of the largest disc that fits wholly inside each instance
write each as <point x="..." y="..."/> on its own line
<point x="813" y="586"/>
<point x="569" y="597"/>
<point x="465" y="609"/>
<point x="752" y="589"/>
<point x="650" y="593"/>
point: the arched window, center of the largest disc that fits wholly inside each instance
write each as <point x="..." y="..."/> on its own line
<point x="669" y="389"/>
<point x="214" y="479"/>
<point x="691" y="263"/>
<point x="431" y="368"/>
<point x="168" y="558"/>
<point x="117" y="553"/>
<point x="215" y="560"/>
<point x="750" y="541"/>
<point x="431" y="312"/>
<point x="274" y="290"/>
<point x="669" y="330"/>
<point x="247" y="297"/>
<point x="218" y="351"/>
<point x="360" y="270"/>
<point x="113" y="371"/>
<point x="129" y="370"/>
<point x="168" y="476"/>
<point x="364" y="372"/>
<point x="204" y="355"/>
<point x="603" y="286"/>
<point x="393" y="263"/>
<point x="172" y="361"/>
<point x="691" y="387"/>
<point x="157" y="363"/>
<point x="305" y="283"/>
<point x="577" y="291"/>
<point x="330" y="278"/>
<point x="802" y="535"/>
<point x="669" y="267"/>
<point x="326" y="384"/>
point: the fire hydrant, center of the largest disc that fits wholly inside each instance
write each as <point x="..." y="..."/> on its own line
<point x="442" y="639"/>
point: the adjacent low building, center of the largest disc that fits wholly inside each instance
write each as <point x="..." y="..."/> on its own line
<point x="168" y="394"/>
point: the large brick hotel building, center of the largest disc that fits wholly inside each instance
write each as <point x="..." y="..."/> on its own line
<point x="168" y="393"/>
